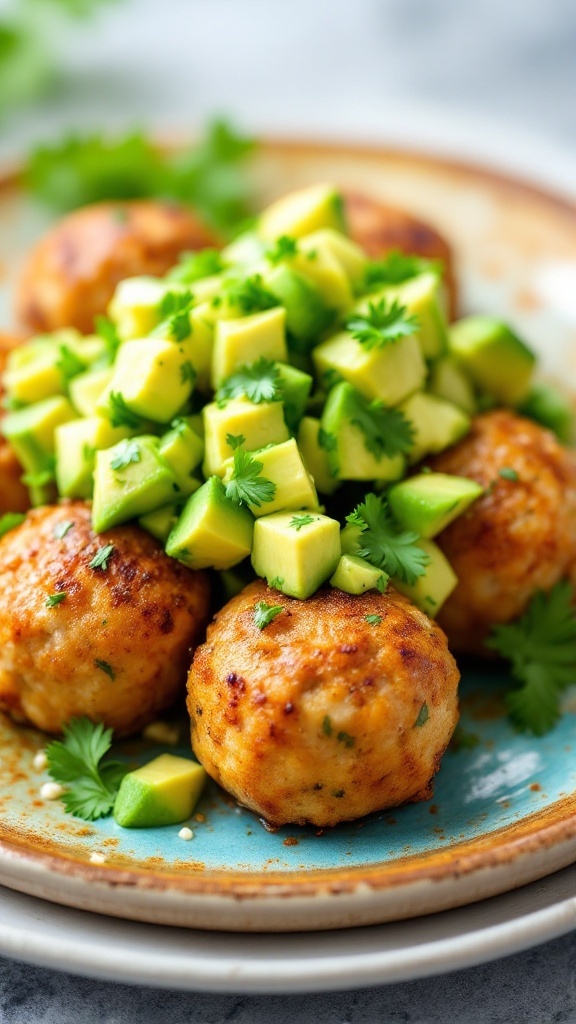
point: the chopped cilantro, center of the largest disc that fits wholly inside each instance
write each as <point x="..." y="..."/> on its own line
<point x="55" y="599"/>
<point x="327" y="441"/>
<point x="386" y="431"/>
<point x="397" y="267"/>
<point x="297" y="522"/>
<point x="374" y="620"/>
<point x="61" y="529"/>
<point x="259" y="381"/>
<point x="75" y="761"/>
<point x="187" y="373"/>
<point x="423" y="716"/>
<point x="284" y="248"/>
<point x="101" y="558"/>
<point x="68" y="363"/>
<point x="235" y="441"/>
<point x="382" y="324"/>
<point x="105" y="667"/>
<point x="107" y="331"/>
<point x="346" y="739"/>
<point x="327" y="725"/>
<point x="120" y="414"/>
<point x="507" y="473"/>
<point x="541" y="647"/>
<point x="250" y="295"/>
<point x="246" y="486"/>
<point x="193" y="266"/>
<point x="276" y="583"/>
<point x="174" y="311"/>
<point x="385" y="545"/>
<point x="264" y="613"/>
<point x="128" y="451"/>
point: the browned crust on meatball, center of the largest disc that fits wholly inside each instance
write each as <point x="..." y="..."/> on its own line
<point x="378" y="228"/>
<point x="118" y="647"/>
<point x="519" y="537"/>
<point x="13" y="493"/>
<point x="312" y="719"/>
<point x="71" y="274"/>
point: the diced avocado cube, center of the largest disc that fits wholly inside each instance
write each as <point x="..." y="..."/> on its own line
<point x="315" y="456"/>
<point x="307" y="314"/>
<point x="355" y="576"/>
<point x="135" y="305"/>
<point x="76" y="445"/>
<point x="161" y="522"/>
<point x="317" y="262"/>
<point x="298" y="558"/>
<point x="351" y="539"/>
<point x="350" y="256"/>
<point x="450" y="381"/>
<point x="32" y="433"/>
<point x="296" y="387"/>
<point x="163" y="792"/>
<point x="283" y="465"/>
<point x="155" y="378"/>
<point x="424" y="297"/>
<point x="207" y="287"/>
<point x="498" y="362"/>
<point x="87" y="389"/>
<point x="45" y="365"/>
<point x="429" y="502"/>
<point x="348" y="450"/>
<point x="437" y="424"/>
<point x="548" y="406"/>
<point x="246" y="250"/>
<point x="183" y="450"/>
<point x="212" y="532"/>
<point x="390" y="373"/>
<point x="239" y="342"/>
<point x="201" y="343"/>
<point x="259" y="425"/>
<point x="301" y="212"/>
<point x="130" y="479"/>
<point x="431" y="590"/>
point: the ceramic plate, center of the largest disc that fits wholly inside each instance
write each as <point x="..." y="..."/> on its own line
<point x="504" y="809"/>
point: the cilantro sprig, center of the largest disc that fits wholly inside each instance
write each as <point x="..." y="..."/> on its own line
<point x="259" y="381"/>
<point x="174" y="310"/>
<point x="264" y="613"/>
<point x="128" y="452"/>
<point x="249" y="294"/>
<point x="386" y="431"/>
<point x="192" y="266"/>
<point x="541" y="648"/>
<point x="396" y="268"/>
<point x="76" y="762"/>
<point x="382" y="324"/>
<point x="246" y="486"/>
<point x="284" y="248"/>
<point x="384" y="544"/>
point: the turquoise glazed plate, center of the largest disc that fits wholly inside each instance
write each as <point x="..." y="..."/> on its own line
<point x="504" y="808"/>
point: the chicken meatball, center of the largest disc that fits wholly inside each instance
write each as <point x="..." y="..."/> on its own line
<point x="519" y="537"/>
<point x="378" y="228"/>
<point x="116" y="647"/>
<point x="71" y="274"/>
<point x="13" y="493"/>
<point x="340" y="706"/>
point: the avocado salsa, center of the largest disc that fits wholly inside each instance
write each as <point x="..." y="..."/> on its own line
<point x="231" y="407"/>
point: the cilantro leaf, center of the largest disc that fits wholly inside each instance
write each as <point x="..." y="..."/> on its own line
<point x="259" y="381"/>
<point x="105" y="667"/>
<point x="373" y="620"/>
<point x="128" y="451"/>
<point x="327" y="441"/>
<point x="386" y="431"/>
<point x="61" y="529"/>
<point x="264" y="613"/>
<point x="423" y="716"/>
<point x="235" y="441"/>
<point x="249" y="294"/>
<point x="541" y="647"/>
<point x="68" y="363"/>
<point x="193" y="266"/>
<point x="120" y="415"/>
<point x="55" y="599"/>
<point x="187" y="373"/>
<point x="102" y="557"/>
<point x="174" y="310"/>
<point x="284" y="248"/>
<point x="298" y="521"/>
<point x="9" y="521"/>
<point x="381" y="324"/>
<point x="246" y="486"/>
<point x="384" y="544"/>
<point x="397" y="267"/>
<point x="107" y="331"/>
<point x="507" y="473"/>
<point x="75" y="762"/>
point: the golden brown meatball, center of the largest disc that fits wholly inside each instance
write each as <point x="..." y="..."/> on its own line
<point x="71" y="274"/>
<point x="322" y="716"/>
<point x="378" y="228"/>
<point x="117" y="647"/>
<point x="13" y="494"/>
<point x="519" y="537"/>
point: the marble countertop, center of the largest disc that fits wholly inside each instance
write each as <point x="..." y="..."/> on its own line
<point x="333" y="67"/>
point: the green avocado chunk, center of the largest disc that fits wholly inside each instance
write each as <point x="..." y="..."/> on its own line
<point x="307" y="314"/>
<point x="212" y="532"/>
<point x="315" y="456"/>
<point x="296" y="387"/>
<point x="430" y="591"/>
<point x="548" y="406"/>
<point x="499" y="363"/>
<point x="282" y="464"/>
<point x="154" y="378"/>
<point x="349" y="451"/>
<point x="448" y="380"/>
<point x="296" y="551"/>
<point x="183" y="449"/>
<point x="429" y="502"/>
<point x="76" y="445"/>
<point x="389" y="373"/>
<point x="130" y="480"/>
<point x="160" y="522"/>
<point x="437" y="424"/>
<point x="355" y="576"/>
<point x="163" y="792"/>
<point x="32" y="435"/>
<point x="301" y="212"/>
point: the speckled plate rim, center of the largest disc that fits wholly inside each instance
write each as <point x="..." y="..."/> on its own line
<point x="536" y="846"/>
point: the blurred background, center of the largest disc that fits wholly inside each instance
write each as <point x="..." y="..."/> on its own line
<point x="331" y="67"/>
